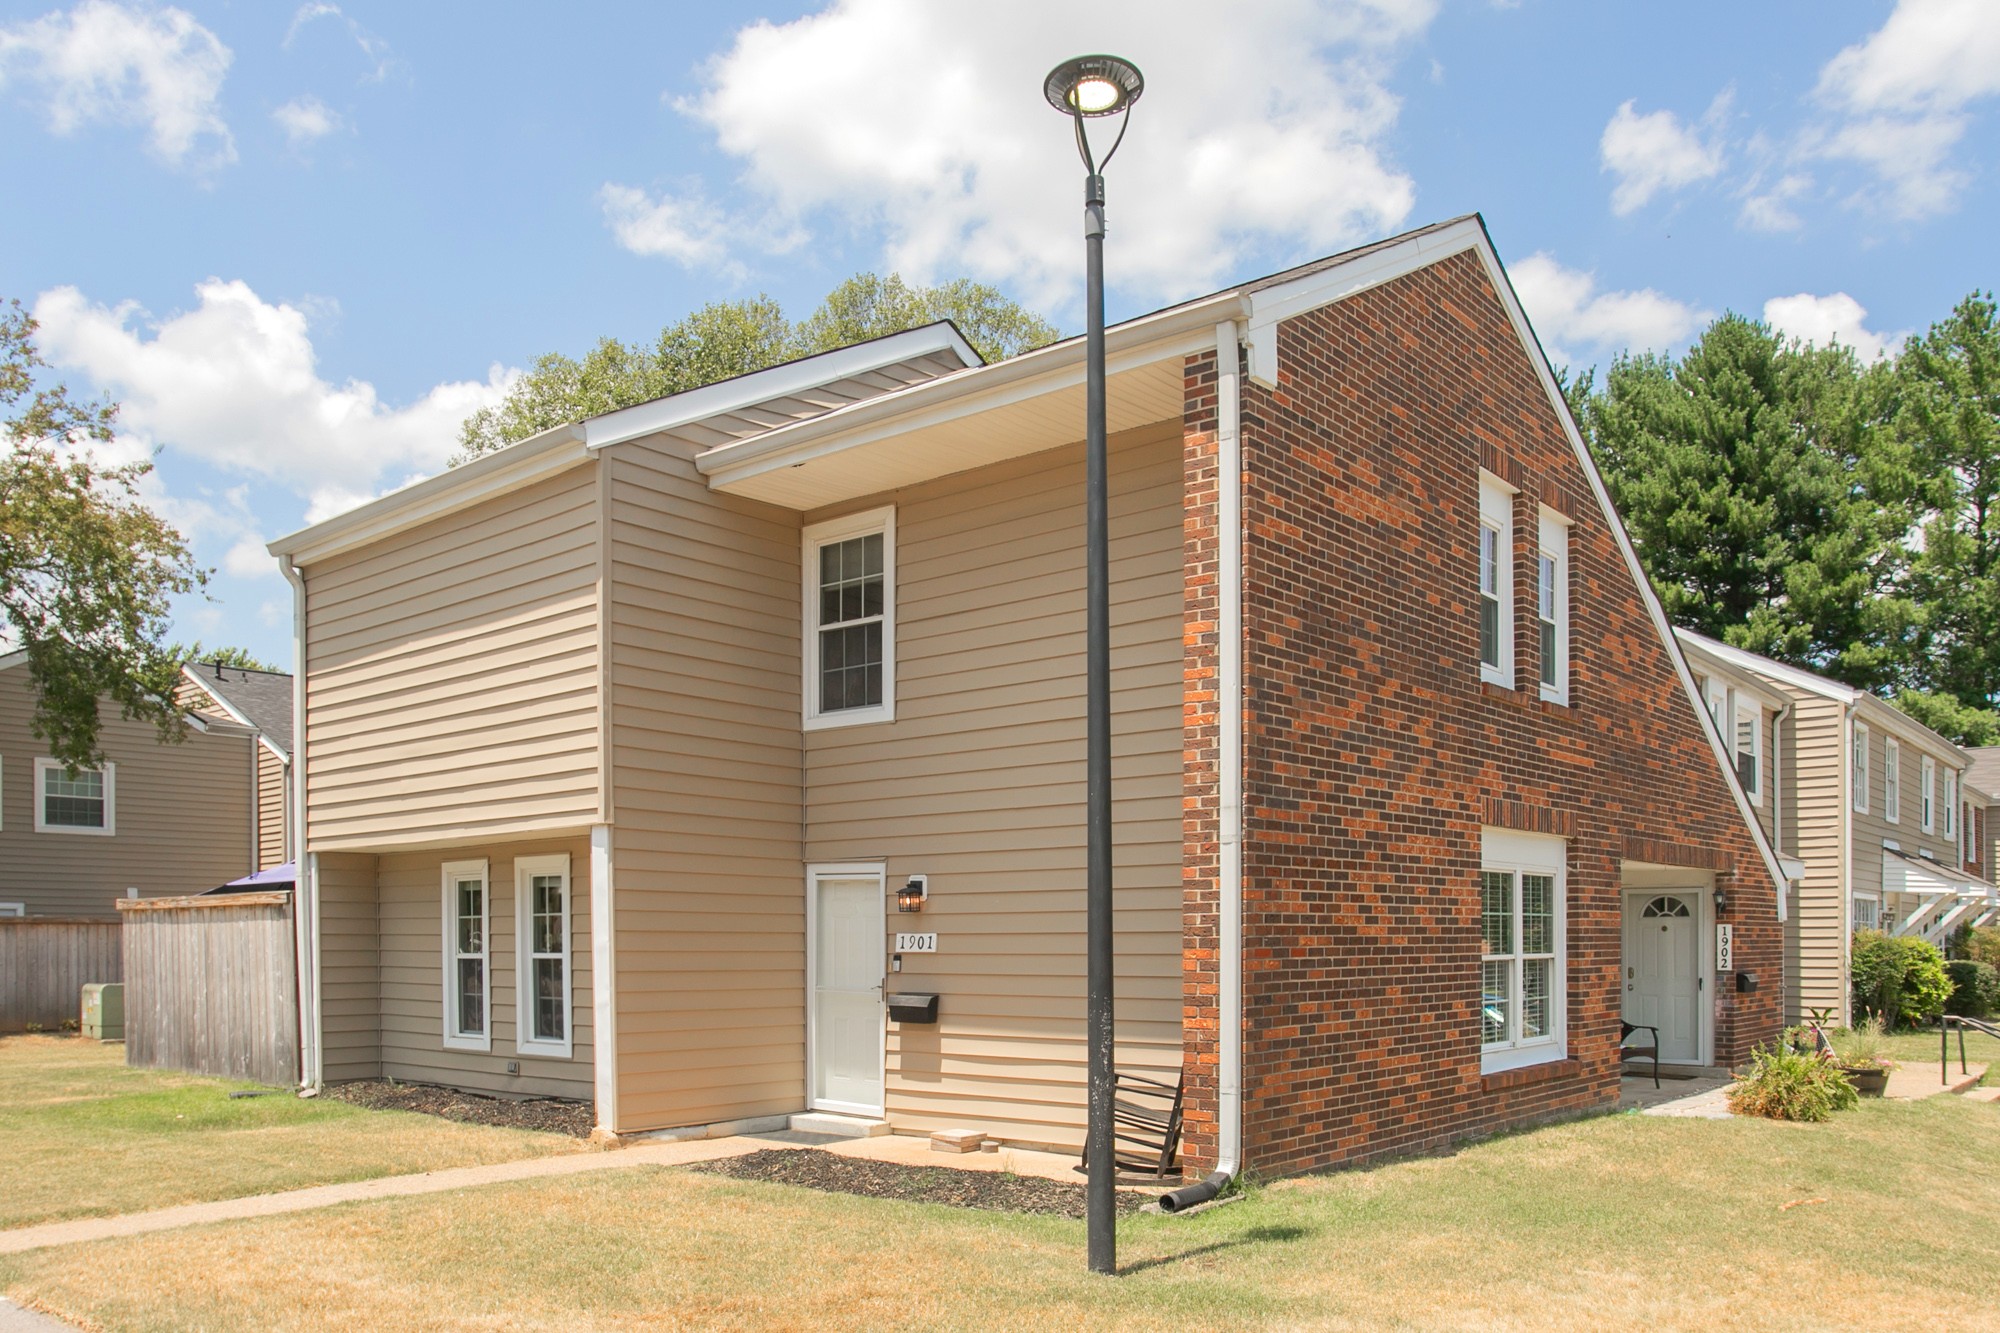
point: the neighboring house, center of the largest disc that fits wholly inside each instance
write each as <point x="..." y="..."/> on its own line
<point x="627" y="747"/>
<point x="1869" y="804"/>
<point x="262" y="700"/>
<point x="1982" y="785"/>
<point x="159" y="819"/>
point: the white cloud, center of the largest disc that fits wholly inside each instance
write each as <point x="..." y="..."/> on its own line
<point x="688" y="230"/>
<point x="381" y="59"/>
<point x="1771" y="209"/>
<point x="234" y="383"/>
<point x="927" y="121"/>
<point x="1904" y="94"/>
<point x="247" y="559"/>
<point x="104" y="62"/>
<point x="1571" y="315"/>
<point x="1656" y="152"/>
<point x="1823" y="320"/>
<point x="304" y="119"/>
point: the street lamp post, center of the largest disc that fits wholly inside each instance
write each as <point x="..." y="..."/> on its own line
<point x="1087" y="88"/>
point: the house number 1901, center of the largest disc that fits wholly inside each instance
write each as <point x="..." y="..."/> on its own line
<point x="910" y="942"/>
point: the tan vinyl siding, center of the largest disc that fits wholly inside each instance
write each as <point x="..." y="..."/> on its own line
<point x="350" y="973"/>
<point x="979" y="783"/>
<point x="1816" y="945"/>
<point x="273" y="795"/>
<point x="182" y="814"/>
<point x="452" y="675"/>
<point x="410" y="910"/>
<point x="703" y="631"/>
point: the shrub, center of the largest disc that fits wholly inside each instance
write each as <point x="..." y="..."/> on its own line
<point x="1975" y="988"/>
<point x="1898" y="978"/>
<point x="1786" y="1085"/>
<point x="1983" y="946"/>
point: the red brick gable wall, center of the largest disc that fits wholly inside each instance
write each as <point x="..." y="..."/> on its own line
<point x="1374" y="753"/>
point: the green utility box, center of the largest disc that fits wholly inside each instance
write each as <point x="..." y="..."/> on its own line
<point x="104" y="1011"/>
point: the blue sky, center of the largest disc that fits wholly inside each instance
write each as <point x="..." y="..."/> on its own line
<point x="301" y="242"/>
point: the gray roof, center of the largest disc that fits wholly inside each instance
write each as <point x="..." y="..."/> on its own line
<point x="1985" y="770"/>
<point x="264" y="697"/>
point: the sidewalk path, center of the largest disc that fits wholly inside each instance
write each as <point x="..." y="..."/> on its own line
<point x="14" y="1319"/>
<point x="320" y="1196"/>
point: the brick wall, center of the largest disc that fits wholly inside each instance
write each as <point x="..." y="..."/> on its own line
<point x="1374" y="754"/>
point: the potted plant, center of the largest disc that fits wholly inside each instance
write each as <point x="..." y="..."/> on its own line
<point x="1862" y="1055"/>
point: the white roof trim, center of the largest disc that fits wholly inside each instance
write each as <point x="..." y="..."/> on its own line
<point x="779" y="381"/>
<point x="207" y="688"/>
<point x="510" y="469"/>
<point x="1530" y="343"/>
<point x="13" y="659"/>
<point x="1127" y="346"/>
<point x="1796" y="677"/>
<point x="1886" y="717"/>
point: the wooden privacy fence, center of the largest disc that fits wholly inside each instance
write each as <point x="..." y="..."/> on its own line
<point x="45" y="962"/>
<point x="211" y="985"/>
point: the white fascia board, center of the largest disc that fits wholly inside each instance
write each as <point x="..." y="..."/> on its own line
<point x="1271" y="306"/>
<point x="1511" y="303"/>
<point x="188" y="674"/>
<point x="1128" y="346"/>
<point x="1741" y="679"/>
<point x="780" y="381"/>
<point x="1888" y="719"/>
<point x="1793" y="677"/>
<point x="13" y="660"/>
<point x="510" y="469"/>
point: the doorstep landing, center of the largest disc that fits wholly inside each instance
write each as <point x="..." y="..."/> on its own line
<point x="838" y="1126"/>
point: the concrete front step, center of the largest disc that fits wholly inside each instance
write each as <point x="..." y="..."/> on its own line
<point x="840" y="1126"/>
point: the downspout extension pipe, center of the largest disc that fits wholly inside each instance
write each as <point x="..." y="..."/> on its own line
<point x="1229" y="736"/>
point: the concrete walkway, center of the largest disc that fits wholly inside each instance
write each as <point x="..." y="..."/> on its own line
<point x="14" y="1319"/>
<point x="1913" y="1082"/>
<point x="1696" y="1098"/>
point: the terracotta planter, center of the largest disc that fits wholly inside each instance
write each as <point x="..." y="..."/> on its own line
<point x="1868" y="1080"/>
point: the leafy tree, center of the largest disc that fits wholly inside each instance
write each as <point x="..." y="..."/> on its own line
<point x="86" y="570"/>
<point x="1956" y="722"/>
<point x="224" y="656"/>
<point x="1950" y="416"/>
<point x="731" y="338"/>
<point x="1765" y="491"/>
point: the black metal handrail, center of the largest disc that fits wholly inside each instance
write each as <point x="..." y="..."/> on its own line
<point x="1946" y="1022"/>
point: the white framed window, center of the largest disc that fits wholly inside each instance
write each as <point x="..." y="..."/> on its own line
<point x="1716" y="695"/>
<point x="1892" y="780"/>
<point x="13" y="909"/>
<point x="83" y="801"/>
<point x="542" y="925"/>
<point x="1857" y="768"/>
<point x="1867" y="912"/>
<point x="1750" y="749"/>
<point x="1523" y="987"/>
<point x="1552" y="606"/>
<point x="1950" y="810"/>
<point x="468" y="974"/>
<point x="850" y="620"/>
<point x="1496" y="582"/>
<point x="1927" y="795"/>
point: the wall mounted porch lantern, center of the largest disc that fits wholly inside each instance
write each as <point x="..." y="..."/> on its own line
<point x="1721" y="900"/>
<point x="910" y="898"/>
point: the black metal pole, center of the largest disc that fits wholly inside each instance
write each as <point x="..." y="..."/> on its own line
<point x="1100" y="1210"/>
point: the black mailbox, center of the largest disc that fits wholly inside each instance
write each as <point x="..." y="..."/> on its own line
<point x="913" y="1007"/>
<point x="1746" y="981"/>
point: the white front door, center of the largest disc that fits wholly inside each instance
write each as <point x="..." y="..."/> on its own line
<point x="847" y="1012"/>
<point x="1663" y="970"/>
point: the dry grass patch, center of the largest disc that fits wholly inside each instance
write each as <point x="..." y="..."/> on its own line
<point x="1624" y="1221"/>
<point x="87" y="1137"/>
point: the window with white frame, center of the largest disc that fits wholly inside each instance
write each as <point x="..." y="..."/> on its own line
<point x="1716" y="695"/>
<point x="1867" y="913"/>
<point x="1750" y="748"/>
<point x="1522" y="987"/>
<point x="1927" y="794"/>
<point x="1892" y="779"/>
<point x="542" y="905"/>
<point x="850" y="614"/>
<point x="1950" y="810"/>
<point x="1552" y="606"/>
<point x="1496" y="582"/>
<point x="13" y="909"/>
<point x="468" y="917"/>
<point x="82" y="800"/>
<point x="1857" y="768"/>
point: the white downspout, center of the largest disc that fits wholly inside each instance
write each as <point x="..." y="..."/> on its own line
<point x="305" y="891"/>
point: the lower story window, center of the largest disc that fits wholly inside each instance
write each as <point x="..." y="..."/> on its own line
<point x="543" y="892"/>
<point x="1867" y="913"/>
<point x="1522" y="987"/>
<point x="467" y="914"/>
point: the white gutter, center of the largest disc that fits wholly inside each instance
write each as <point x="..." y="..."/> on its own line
<point x="1229" y="702"/>
<point x="305" y="890"/>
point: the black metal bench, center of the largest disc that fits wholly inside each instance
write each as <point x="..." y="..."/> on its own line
<point x="1627" y="1052"/>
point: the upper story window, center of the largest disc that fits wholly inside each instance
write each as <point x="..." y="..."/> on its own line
<point x="1496" y="582"/>
<point x="1892" y="779"/>
<point x="467" y="916"/>
<point x="1928" y="794"/>
<point x="1552" y="606"/>
<point x="850" y="620"/>
<point x="1950" y="829"/>
<point x="83" y="800"/>
<point x="1750" y="748"/>
<point x="1523" y="989"/>
<point x="1716" y="695"/>
<point x="1857" y="768"/>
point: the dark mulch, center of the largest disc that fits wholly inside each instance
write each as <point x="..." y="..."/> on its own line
<point x="995" y="1191"/>
<point x="547" y="1114"/>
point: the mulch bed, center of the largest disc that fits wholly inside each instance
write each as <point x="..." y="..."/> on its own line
<point x="995" y="1191"/>
<point x="548" y="1114"/>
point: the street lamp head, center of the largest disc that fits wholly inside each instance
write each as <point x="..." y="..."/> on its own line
<point x="1093" y="86"/>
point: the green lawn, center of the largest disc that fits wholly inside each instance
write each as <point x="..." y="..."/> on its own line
<point x="86" y="1136"/>
<point x="1919" y="1050"/>
<point x="1881" y="1218"/>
